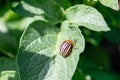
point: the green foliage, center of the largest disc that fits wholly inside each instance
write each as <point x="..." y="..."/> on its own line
<point x="41" y="53"/>
<point x="40" y="30"/>
<point x="7" y="64"/>
<point x="110" y="3"/>
<point x="41" y="10"/>
<point x="8" y="69"/>
<point x="87" y="16"/>
<point x="9" y="75"/>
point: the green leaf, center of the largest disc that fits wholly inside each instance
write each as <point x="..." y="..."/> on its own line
<point x="86" y="16"/>
<point x="9" y="75"/>
<point x="110" y="3"/>
<point x="7" y="64"/>
<point x="38" y="56"/>
<point x="64" y="3"/>
<point x="41" y="10"/>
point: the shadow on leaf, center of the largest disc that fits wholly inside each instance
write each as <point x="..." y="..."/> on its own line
<point x="33" y="65"/>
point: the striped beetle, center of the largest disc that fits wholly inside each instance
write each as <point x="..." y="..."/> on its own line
<point x="66" y="48"/>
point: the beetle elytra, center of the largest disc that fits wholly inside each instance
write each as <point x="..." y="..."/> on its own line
<point x="66" y="48"/>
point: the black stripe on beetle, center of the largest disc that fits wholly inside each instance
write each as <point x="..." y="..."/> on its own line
<point x="66" y="48"/>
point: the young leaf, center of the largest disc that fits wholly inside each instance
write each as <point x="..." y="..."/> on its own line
<point x="110" y="3"/>
<point x="9" y="75"/>
<point x="40" y="9"/>
<point x="38" y="56"/>
<point x="86" y="16"/>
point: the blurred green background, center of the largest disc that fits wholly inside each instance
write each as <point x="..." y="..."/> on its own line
<point x="101" y="58"/>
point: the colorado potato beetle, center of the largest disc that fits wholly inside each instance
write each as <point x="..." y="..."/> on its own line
<point x="66" y="48"/>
